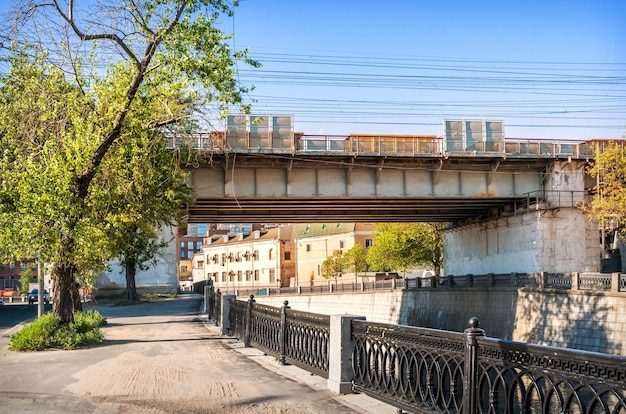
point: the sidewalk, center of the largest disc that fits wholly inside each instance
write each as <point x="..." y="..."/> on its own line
<point x="163" y="357"/>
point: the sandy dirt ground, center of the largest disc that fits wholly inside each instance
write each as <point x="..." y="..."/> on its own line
<point x="158" y="358"/>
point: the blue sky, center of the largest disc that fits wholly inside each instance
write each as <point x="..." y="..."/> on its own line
<point x="548" y="69"/>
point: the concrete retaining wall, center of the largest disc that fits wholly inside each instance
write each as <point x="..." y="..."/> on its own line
<point x="557" y="241"/>
<point x="580" y="320"/>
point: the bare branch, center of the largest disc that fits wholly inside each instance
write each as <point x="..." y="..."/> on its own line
<point x="69" y="18"/>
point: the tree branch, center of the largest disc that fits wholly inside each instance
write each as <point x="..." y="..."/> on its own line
<point x="69" y="18"/>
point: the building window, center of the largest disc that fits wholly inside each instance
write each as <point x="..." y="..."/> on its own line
<point x="319" y="270"/>
<point x="287" y="255"/>
<point x="239" y="276"/>
<point x="308" y="247"/>
<point x="183" y="269"/>
<point x="256" y="275"/>
<point x="223" y="276"/>
<point x="342" y="244"/>
<point x="369" y="243"/>
<point x="255" y="255"/>
<point x="272" y="275"/>
<point x="22" y="266"/>
<point x="200" y="265"/>
<point x="248" y="275"/>
<point x="271" y="254"/>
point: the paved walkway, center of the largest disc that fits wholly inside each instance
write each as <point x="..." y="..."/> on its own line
<point x="163" y="357"/>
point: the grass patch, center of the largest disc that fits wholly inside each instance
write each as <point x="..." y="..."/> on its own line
<point x="47" y="332"/>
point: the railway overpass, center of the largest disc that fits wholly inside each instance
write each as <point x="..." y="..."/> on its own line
<point x="513" y="204"/>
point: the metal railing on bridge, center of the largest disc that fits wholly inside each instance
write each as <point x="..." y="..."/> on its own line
<point x="387" y="145"/>
<point x="429" y="370"/>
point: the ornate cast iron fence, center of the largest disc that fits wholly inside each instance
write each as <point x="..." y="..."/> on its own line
<point x="425" y="370"/>
<point x="295" y="337"/>
<point x="410" y="368"/>
<point x="306" y="340"/>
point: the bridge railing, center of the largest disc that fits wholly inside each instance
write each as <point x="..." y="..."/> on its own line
<point x="388" y="145"/>
<point x="430" y="370"/>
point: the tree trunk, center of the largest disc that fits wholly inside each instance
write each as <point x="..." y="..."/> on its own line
<point x="131" y="287"/>
<point x="66" y="299"/>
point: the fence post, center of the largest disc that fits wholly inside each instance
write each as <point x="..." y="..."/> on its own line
<point x="218" y="308"/>
<point x="340" y="347"/>
<point x="246" y="341"/>
<point x="470" y="380"/>
<point x="208" y="306"/>
<point x="224" y="315"/>
<point x="575" y="281"/>
<point x="282" y="359"/>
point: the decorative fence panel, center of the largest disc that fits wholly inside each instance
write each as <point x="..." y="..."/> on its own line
<point x="295" y="337"/>
<point x="409" y="368"/>
<point x="306" y="341"/>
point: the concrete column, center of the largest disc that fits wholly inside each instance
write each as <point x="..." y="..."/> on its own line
<point x="575" y="281"/>
<point x="225" y="312"/>
<point x="340" y="348"/>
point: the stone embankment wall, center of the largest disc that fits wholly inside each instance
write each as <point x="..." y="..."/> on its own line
<point x="591" y="321"/>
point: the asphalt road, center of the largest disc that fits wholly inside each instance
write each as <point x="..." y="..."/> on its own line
<point x="12" y="314"/>
<point x="158" y="357"/>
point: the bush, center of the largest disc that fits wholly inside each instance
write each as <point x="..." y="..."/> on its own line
<point x="47" y="332"/>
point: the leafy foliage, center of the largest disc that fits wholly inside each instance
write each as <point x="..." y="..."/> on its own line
<point x="608" y="206"/>
<point x="334" y="265"/>
<point x="401" y="246"/>
<point x="48" y="332"/>
<point x="26" y="277"/>
<point x="82" y="112"/>
<point x="355" y="259"/>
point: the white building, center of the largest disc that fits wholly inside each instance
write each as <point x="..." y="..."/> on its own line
<point x="254" y="261"/>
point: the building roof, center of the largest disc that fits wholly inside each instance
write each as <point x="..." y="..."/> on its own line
<point x="301" y="231"/>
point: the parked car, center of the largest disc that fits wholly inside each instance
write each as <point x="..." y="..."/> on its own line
<point x="33" y="296"/>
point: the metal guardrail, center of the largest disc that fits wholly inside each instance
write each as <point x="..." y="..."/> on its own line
<point x="426" y="370"/>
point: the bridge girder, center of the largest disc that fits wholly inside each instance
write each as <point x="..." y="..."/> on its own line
<point x="292" y="188"/>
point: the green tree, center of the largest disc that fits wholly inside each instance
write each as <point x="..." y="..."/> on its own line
<point x="401" y="246"/>
<point x="144" y="169"/>
<point x="608" y="206"/>
<point x="334" y="266"/>
<point x="99" y="76"/>
<point x="355" y="259"/>
<point x="26" y="277"/>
